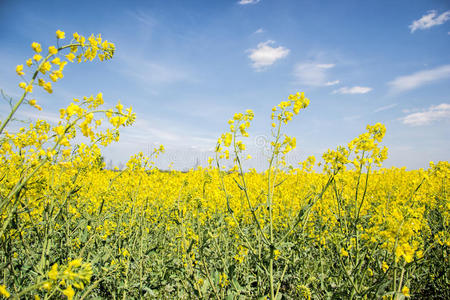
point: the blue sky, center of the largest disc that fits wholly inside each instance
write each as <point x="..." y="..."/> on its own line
<point x="187" y="66"/>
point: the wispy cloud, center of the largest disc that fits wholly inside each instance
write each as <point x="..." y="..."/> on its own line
<point x="429" y="20"/>
<point x="352" y="118"/>
<point x="143" y="18"/>
<point x="330" y="83"/>
<point x="244" y="2"/>
<point x="433" y="113"/>
<point x="353" y="90"/>
<point x="386" y="107"/>
<point x="415" y="80"/>
<point x="265" y="55"/>
<point x="260" y="30"/>
<point x="313" y="74"/>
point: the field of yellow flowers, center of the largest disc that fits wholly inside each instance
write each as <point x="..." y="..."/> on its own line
<point x="345" y="228"/>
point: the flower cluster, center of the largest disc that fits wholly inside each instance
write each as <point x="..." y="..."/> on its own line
<point x="49" y="66"/>
<point x="232" y="140"/>
<point x="75" y="274"/>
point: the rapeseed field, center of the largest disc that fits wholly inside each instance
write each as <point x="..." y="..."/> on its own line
<point x="336" y="227"/>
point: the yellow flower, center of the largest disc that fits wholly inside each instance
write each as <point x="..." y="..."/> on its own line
<point x="56" y="61"/>
<point x="48" y="87"/>
<point x="36" y="47"/>
<point x="384" y="266"/>
<point x="4" y="292"/>
<point x="37" y="57"/>
<point x="29" y="62"/>
<point x="344" y="252"/>
<point x="32" y="102"/>
<point x="276" y="254"/>
<point x="405" y="291"/>
<point x="223" y="280"/>
<point x="303" y="292"/>
<point x="70" y="56"/>
<point x="19" y="70"/>
<point x="47" y="285"/>
<point x="119" y="107"/>
<point x="60" y="34"/>
<point x="53" y="273"/>
<point x="72" y="109"/>
<point x="52" y="50"/>
<point x="75" y="263"/>
<point x="69" y="292"/>
<point x="125" y="253"/>
<point x="45" y="67"/>
<point x="53" y="77"/>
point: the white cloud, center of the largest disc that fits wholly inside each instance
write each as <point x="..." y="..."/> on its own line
<point x="415" y="80"/>
<point x="353" y="90"/>
<point x="386" y="107"/>
<point x="260" y="30"/>
<point x="433" y="113"/>
<point x="313" y="74"/>
<point x="265" y="55"/>
<point x="429" y="20"/>
<point x="325" y="66"/>
<point x="330" y="83"/>
<point x="244" y="2"/>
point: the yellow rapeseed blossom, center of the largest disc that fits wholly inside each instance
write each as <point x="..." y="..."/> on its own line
<point x="384" y="266"/>
<point x="48" y="87"/>
<point x="52" y="50"/>
<point x="60" y="34"/>
<point x="33" y="103"/>
<point x="45" y="67"/>
<point x="53" y="273"/>
<point x="69" y="292"/>
<point x="4" y="292"/>
<point x="70" y="56"/>
<point x="405" y="291"/>
<point x="19" y="70"/>
<point x="36" y="47"/>
<point x="37" y="57"/>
